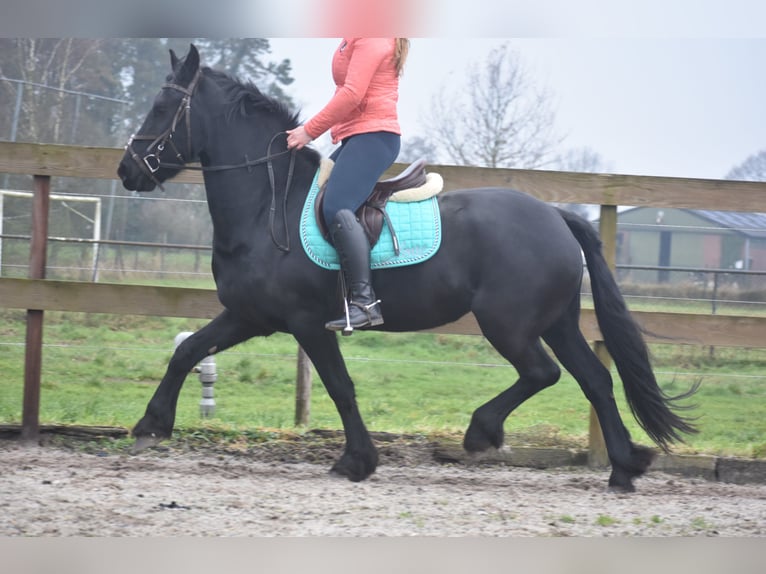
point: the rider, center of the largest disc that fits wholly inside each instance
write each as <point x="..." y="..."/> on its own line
<point x="362" y="116"/>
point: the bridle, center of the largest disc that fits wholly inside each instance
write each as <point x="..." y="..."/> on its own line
<point x="150" y="163"/>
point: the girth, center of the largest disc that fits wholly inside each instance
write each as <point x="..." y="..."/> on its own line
<point x="372" y="213"/>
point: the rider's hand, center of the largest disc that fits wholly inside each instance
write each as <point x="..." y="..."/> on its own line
<point x="297" y="138"/>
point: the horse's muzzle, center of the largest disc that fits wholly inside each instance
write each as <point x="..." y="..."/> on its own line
<point x="132" y="178"/>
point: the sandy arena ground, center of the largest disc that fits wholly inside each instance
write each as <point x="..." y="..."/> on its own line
<point x="286" y="490"/>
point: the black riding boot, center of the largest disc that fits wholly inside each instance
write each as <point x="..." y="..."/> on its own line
<point x="354" y="250"/>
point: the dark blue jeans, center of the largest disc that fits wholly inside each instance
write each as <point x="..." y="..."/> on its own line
<point x="359" y="162"/>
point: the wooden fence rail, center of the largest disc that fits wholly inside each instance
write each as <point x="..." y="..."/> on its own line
<point x="37" y="294"/>
<point x="563" y="187"/>
<point x="84" y="297"/>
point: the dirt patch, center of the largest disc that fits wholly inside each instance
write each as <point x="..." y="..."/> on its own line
<point x="283" y="488"/>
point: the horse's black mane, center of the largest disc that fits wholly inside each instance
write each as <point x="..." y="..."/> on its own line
<point x="244" y="99"/>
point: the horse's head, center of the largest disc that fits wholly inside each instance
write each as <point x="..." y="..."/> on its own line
<point x="165" y="141"/>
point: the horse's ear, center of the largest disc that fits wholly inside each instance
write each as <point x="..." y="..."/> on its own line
<point x="173" y="60"/>
<point x="191" y="63"/>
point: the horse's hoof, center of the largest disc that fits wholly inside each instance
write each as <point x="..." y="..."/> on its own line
<point x="490" y="453"/>
<point x="339" y="472"/>
<point x="621" y="488"/>
<point x="621" y="484"/>
<point x="478" y="440"/>
<point x="354" y="469"/>
<point x="336" y="474"/>
<point x="144" y="442"/>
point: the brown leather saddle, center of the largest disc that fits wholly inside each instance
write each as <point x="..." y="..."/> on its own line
<point x="372" y="213"/>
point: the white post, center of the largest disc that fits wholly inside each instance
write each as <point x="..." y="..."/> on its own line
<point x="207" y="376"/>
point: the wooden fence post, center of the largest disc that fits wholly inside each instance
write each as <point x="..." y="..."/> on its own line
<point x="30" y="418"/>
<point x="303" y="389"/>
<point x="597" y="455"/>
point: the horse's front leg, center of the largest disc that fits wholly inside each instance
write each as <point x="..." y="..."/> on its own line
<point x="221" y="333"/>
<point x="360" y="457"/>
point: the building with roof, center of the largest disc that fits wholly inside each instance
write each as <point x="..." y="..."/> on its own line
<point x="693" y="238"/>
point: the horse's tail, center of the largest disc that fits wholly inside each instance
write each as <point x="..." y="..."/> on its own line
<point x="651" y="407"/>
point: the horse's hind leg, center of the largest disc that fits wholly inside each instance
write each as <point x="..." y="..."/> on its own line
<point x="221" y="333"/>
<point x="570" y="347"/>
<point x="536" y="372"/>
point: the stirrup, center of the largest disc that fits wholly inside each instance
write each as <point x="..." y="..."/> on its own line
<point x="348" y="329"/>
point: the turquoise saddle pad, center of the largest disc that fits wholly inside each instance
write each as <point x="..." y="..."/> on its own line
<point x="417" y="226"/>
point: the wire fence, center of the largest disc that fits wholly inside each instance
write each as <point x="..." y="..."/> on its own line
<point x="76" y="348"/>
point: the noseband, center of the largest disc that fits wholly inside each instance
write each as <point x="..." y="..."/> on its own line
<point x="150" y="162"/>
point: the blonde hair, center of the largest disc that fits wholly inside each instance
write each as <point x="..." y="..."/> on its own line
<point x="401" y="50"/>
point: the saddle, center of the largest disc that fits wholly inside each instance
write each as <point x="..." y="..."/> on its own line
<point x="372" y="213"/>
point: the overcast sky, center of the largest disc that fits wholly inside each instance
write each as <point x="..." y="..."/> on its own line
<point x="690" y="107"/>
<point x="655" y="87"/>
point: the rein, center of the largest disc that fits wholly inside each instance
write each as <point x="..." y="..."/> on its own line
<point x="151" y="162"/>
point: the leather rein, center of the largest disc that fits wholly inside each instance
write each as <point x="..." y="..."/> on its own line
<point x="150" y="163"/>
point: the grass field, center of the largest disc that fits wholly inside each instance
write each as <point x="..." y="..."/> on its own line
<point x="102" y="370"/>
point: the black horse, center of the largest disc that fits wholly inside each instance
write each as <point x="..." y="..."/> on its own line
<point x="513" y="261"/>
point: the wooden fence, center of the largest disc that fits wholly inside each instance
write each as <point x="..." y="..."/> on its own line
<point x="37" y="294"/>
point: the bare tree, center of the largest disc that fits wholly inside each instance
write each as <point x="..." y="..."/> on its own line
<point x="582" y="160"/>
<point x="57" y="63"/>
<point x="752" y="169"/>
<point x="417" y="147"/>
<point x="499" y="118"/>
